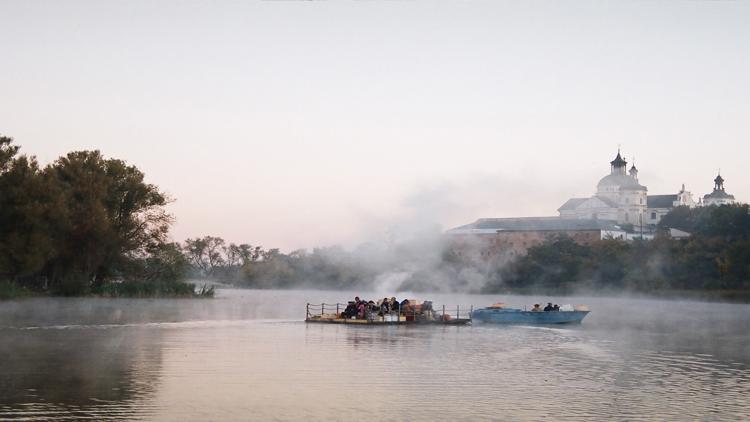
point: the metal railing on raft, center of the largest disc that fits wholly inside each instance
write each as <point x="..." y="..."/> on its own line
<point x="444" y="313"/>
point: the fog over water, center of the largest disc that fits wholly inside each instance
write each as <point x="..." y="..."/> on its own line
<point x="249" y="355"/>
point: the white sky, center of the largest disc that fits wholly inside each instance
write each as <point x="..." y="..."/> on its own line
<point x="295" y="124"/>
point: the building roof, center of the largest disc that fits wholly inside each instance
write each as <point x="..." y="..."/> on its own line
<point x="718" y="194"/>
<point x="618" y="161"/>
<point x="623" y="181"/>
<point x="611" y="203"/>
<point x="494" y="225"/>
<point x="572" y="204"/>
<point x="660" y="201"/>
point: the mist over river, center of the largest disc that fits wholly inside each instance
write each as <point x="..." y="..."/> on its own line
<point x="248" y="355"/>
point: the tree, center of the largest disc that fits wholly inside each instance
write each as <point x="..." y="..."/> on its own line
<point x="111" y="216"/>
<point x="205" y="254"/>
<point x="26" y="209"/>
<point x="555" y="264"/>
<point x="164" y="263"/>
<point x="729" y="221"/>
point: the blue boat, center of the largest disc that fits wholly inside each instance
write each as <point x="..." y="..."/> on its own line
<point x="502" y="315"/>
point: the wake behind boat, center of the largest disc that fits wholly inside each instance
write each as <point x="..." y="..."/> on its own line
<point x="499" y="314"/>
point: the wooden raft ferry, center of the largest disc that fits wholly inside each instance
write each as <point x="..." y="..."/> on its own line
<point x="326" y="313"/>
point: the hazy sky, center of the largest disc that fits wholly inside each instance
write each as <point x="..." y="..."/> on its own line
<point x="295" y="124"/>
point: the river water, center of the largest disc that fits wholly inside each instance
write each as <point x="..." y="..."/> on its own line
<point x="248" y="355"/>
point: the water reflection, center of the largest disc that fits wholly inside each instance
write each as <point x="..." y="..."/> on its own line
<point x="59" y="373"/>
<point x="243" y="357"/>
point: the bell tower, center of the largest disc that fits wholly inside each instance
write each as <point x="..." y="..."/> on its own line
<point x="719" y="183"/>
<point x="618" y="165"/>
<point x="633" y="171"/>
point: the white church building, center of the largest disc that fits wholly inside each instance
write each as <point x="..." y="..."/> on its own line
<point x="621" y="198"/>
<point x="620" y="201"/>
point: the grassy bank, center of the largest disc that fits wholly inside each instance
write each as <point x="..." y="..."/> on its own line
<point x="9" y="290"/>
<point x="732" y="296"/>
<point x="151" y="290"/>
<point x="155" y="290"/>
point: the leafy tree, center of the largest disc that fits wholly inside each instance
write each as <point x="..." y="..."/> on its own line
<point x="26" y="206"/>
<point x="729" y="221"/>
<point x="7" y="153"/>
<point x="79" y="223"/>
<point x="554" y="264"/>
<point x="205" y="254"/>
<point x="164" y="263"/>
<point x="111" y="216"/>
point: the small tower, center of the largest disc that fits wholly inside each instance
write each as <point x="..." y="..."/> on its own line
<point x="719" y="183"/>
<point x="618" y="164"/>
<point x="685" y="199"/>
<point x="633" y="171"/>
<point x="719" y="196"/>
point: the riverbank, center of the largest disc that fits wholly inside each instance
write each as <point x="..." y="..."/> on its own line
<point x="144" y="290"/>
<point x="13" y="291"/>
<point x="724" y="296"/>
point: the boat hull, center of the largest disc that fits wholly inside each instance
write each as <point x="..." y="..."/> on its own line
<point x="372" y="322"/>
<point x="517" y="316"/>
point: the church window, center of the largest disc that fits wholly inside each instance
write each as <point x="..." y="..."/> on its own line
<point x="653" y="216"/>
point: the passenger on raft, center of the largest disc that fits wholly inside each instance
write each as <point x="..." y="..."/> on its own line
<point x="385" y="306"/>
<point x="350" y="311"/>
<point x="405" y="306"/>
<point x="394" y="305"/>
<point x="549" y="307"/>
<point x="536" y="308"/>
<point x="556" y="308"/>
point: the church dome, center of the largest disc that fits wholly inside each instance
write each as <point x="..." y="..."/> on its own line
<point x="619" y="181"/>
<point x="718" y="194"/>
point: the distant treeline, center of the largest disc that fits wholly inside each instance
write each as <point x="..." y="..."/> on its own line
<point x="715" y="258"/>
<point x="84" y="224"/>
<point x="253" y="267"/>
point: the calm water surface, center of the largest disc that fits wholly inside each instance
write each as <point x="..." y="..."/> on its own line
<point x="247" y="355"/>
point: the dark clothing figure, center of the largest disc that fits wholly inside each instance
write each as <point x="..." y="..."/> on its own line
<point x="394" y="305"/>
<point x="350" y="311"/>
<point x="385" y="306"/>
<point x="556" y="308"/>
<point x="549" y="307"/>
<point x="405" y="306"/>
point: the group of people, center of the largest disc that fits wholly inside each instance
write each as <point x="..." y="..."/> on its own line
<point x="360" y="309"/>
<point x="548" y="308"/>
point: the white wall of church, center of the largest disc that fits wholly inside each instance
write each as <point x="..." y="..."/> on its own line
<point x="718" y="201"/>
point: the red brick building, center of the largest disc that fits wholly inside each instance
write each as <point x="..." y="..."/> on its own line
<point x="490" y="238"/>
